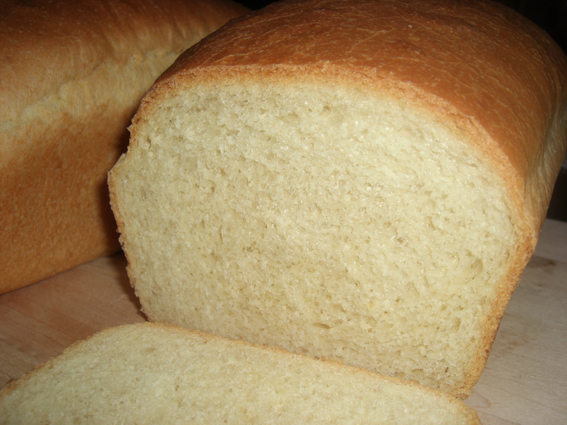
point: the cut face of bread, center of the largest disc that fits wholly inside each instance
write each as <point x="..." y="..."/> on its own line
<point x="319" y="218"/>
<point x="152" y="374"/>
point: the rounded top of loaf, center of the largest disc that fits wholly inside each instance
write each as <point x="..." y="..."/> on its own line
<point x="480" y="67"/>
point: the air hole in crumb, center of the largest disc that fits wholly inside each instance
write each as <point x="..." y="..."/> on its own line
<point x="321" y="325"/>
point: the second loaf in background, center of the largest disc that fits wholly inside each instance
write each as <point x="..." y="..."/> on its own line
<point x="358" y="180"/>
<point x="72" y="73"/>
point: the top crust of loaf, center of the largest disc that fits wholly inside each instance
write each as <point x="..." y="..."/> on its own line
<point x="482" y="66"/>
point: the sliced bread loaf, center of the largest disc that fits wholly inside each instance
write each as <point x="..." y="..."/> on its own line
<point x="358" y="180"/>
<point x="154" y="374"/>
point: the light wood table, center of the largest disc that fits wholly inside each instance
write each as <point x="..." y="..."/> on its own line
<point x="524" y="382"/>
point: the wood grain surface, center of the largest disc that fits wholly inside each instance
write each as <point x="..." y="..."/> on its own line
<point x="524" y="382"/>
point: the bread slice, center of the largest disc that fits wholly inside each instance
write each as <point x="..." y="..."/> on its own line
<point x="358" y="180"/>
<point x="155" y="374"/>
<point x="72" y="73"/>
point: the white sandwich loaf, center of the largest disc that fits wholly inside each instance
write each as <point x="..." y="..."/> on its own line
<point x="358" y="180"/>
<point x="155" y="374"/>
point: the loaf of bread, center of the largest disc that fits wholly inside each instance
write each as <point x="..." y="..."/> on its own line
<point x="358" y="180"/>
<point x="154" y="374"/>
<point x="72" y="74"/>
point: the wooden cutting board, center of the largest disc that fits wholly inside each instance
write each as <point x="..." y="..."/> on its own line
<point x="524" y="382"/>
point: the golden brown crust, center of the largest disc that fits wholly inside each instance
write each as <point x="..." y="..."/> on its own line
<point x="496" y="83"/>
<point x="71" y="76"/>
<point x="480" y="67"/>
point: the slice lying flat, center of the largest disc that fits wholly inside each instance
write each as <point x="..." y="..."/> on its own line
<point x="156" y="374"/>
